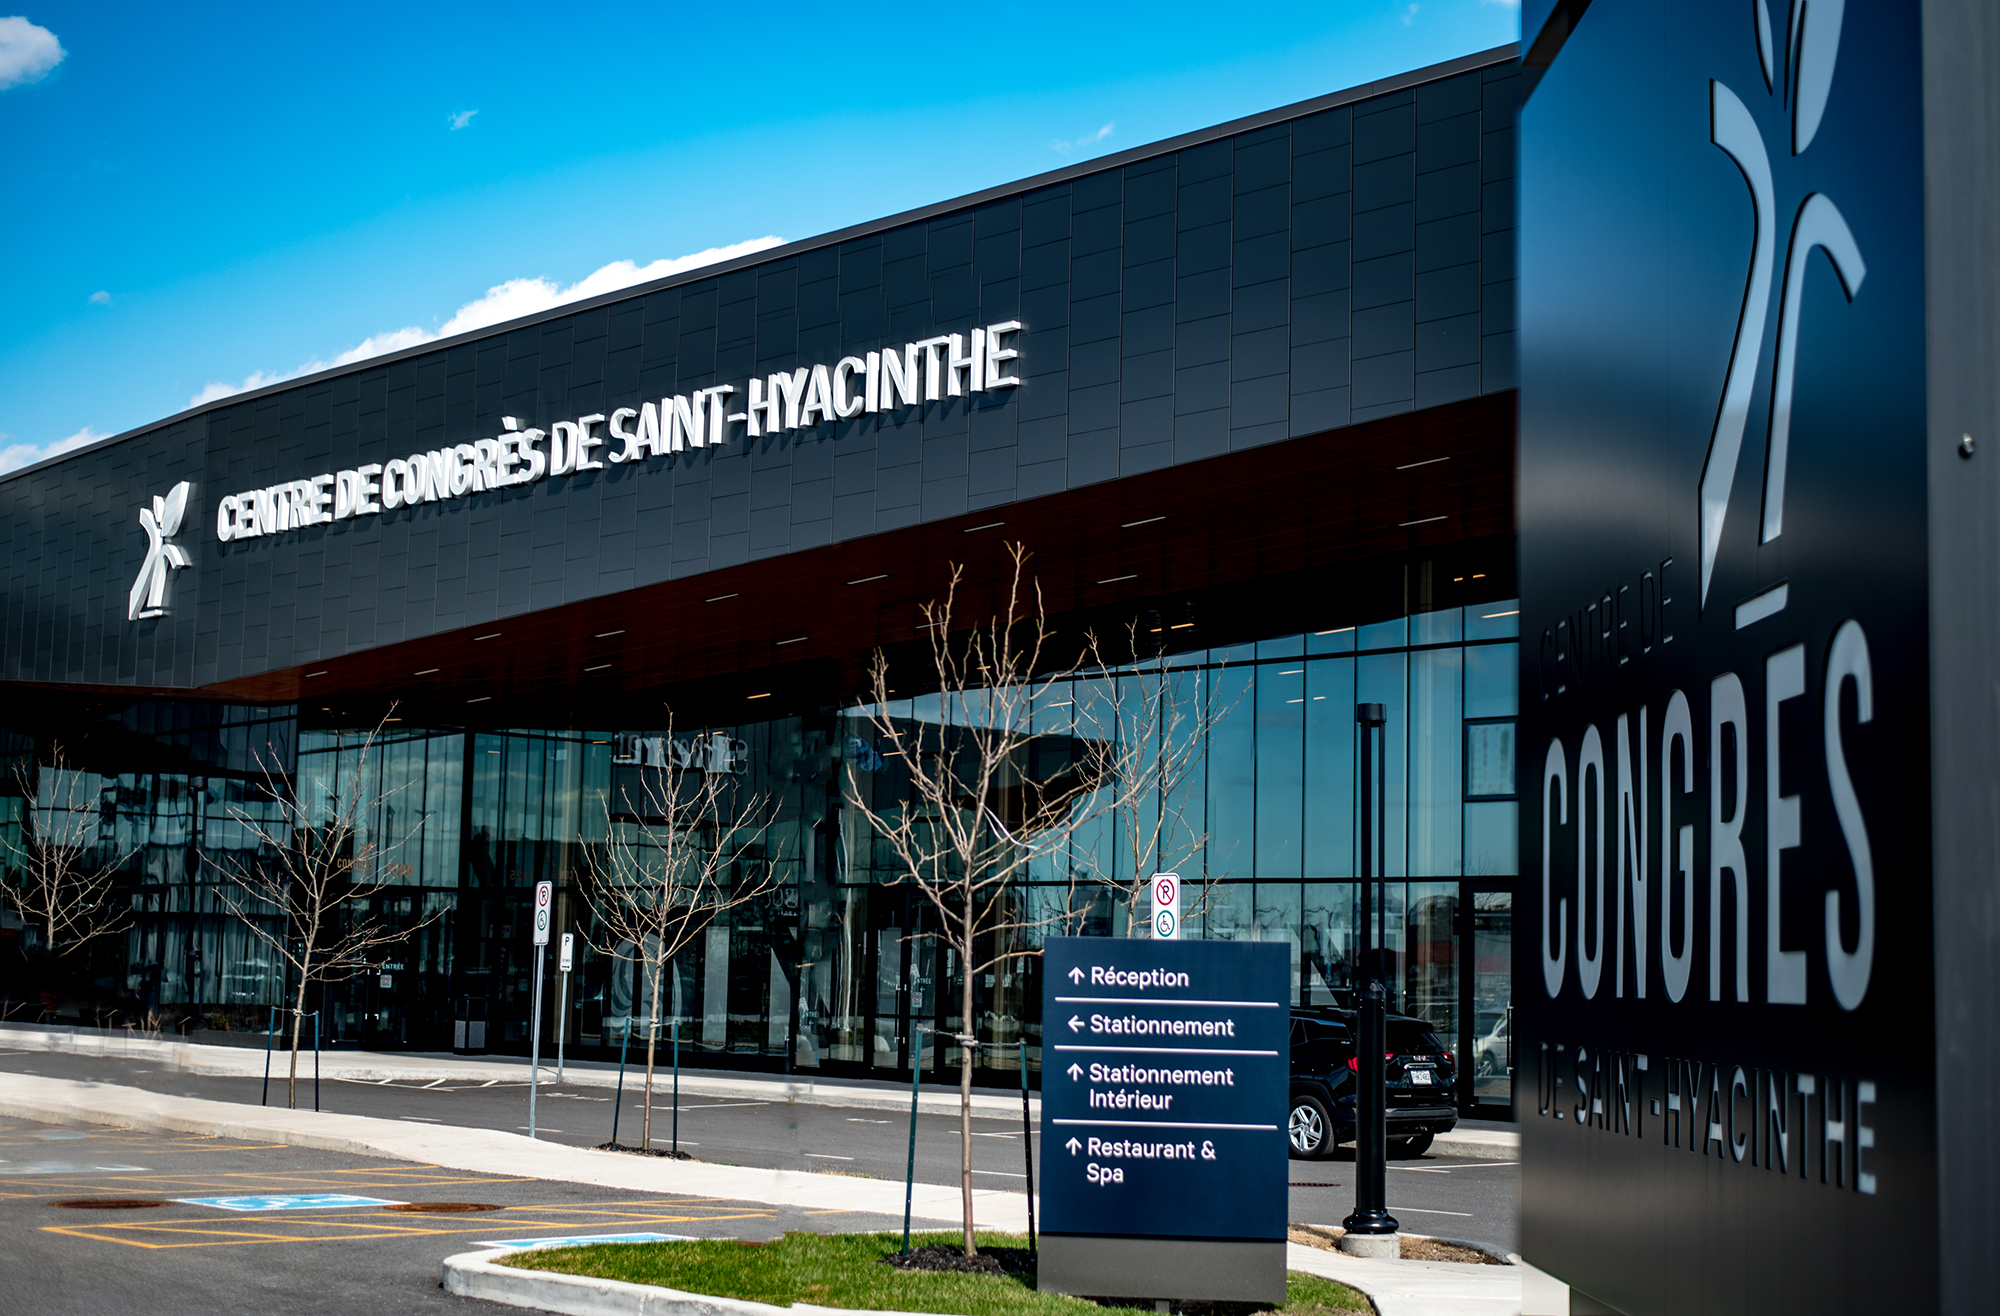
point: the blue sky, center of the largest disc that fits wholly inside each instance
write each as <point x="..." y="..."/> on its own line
<point x="207" y="198"/>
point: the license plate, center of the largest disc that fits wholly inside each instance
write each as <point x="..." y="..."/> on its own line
<point x="1421" y="1077"/>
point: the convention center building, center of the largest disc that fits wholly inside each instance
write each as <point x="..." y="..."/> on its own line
<point x="1245" y="397"/>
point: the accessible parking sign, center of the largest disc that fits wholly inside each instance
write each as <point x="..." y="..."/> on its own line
<point x="1166" y="1066"/>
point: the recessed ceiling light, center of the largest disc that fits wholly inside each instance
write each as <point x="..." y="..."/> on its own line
<point x="605" y="635"/>
<point x="1479" y="575"/>
<point x="482" y="699"/>
<point x="796" y="639"/>
<point x="865" y="579"/>
<point x="1180" y="625"/>
<point x="719" y="598"/>
<point x="320" y="672"/>
<point x="765" y="695"/>
<point x="1148" y="521"/>
<point x="426" y="672"/>
<point x="990" y="525"/>
<point x="490" y="635"/>
<point x="1422" y="520"/>
<point x="600" y="667"/>
<point x="1113" y="580"/>
<point x="392" y="719"/>
<point x="1428" y="461"/>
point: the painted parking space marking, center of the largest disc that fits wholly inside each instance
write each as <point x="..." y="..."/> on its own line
<point x="578" y="1240"/>
<point x="288" y="1202"/>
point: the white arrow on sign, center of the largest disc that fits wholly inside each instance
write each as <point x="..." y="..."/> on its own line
<point x="1073" y="1145"/>
<point x="1075" y="1072"/>
<point x="1076" y="975"/>
<point x="1075" y="1024"/>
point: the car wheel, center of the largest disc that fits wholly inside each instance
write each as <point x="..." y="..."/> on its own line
<point x="1485" y="1066"/>
<point x="1310" y="1128"/>
<point x="1414" y="1145"/>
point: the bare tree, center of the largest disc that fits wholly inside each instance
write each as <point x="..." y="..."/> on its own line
<point x="670" y="865"/>
<point x="54" y="886"/>
<point x="306" y="888"/>
<point x="979" y="810"/>
<point x="1150" y="724"/>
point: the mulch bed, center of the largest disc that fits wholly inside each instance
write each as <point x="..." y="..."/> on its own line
<point x="644" y="1151"/>
<point x="951" y="1257"/>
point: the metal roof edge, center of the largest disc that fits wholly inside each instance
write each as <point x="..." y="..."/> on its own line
<point x="1380" y="87"/>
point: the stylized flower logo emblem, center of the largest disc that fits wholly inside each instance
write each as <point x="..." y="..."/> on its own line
<point x="1813" y="43"/>
<point x="161" y="522"/>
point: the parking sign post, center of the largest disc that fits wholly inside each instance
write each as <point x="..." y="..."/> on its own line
<point x="545" y="893"/>
<point x="564" y="960"/>
<point x="1166" y="907"/>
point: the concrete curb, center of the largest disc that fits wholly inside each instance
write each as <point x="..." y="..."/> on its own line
<point x="478" y="1275"/>
<point x="1396" y="1288"/>
<point x="380" y="1067"/>
<point x="1481" y="1144"/>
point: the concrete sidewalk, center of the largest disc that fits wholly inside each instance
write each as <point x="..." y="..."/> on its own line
<point x="488" y="1151"/>
<point x="1417" y="1288"/>
<point x="402" y="1067"/>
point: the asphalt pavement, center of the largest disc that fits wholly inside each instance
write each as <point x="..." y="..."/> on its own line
<point x="113" y="1220"/>
<point x="1453" y="1197"/>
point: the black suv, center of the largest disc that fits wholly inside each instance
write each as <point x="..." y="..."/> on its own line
<point x="1419" y="1078"/>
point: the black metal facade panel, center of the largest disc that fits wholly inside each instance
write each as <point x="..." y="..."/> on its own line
<point x="1346" y="264"/>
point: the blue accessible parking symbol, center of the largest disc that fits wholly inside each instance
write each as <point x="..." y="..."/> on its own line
<point x="287" y="1202"/>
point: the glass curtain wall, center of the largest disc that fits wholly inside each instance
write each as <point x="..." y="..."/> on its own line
<point x="1247" y="753"/>
<point x="1250" y="761"/>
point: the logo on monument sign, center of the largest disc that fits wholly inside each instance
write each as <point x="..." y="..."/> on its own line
<point x="1807" y="75"/>
<point x="161" y="521"/>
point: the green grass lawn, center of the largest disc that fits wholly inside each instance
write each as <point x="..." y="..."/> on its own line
<point x="846" y="1270"/>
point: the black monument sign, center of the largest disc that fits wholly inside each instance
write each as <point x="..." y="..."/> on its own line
<point x="1725" y="977"/>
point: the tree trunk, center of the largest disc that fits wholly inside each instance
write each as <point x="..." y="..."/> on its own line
<point x="298" y="1022"/>
<point x="965" y="1053"/>
<point x="652" y="1040"/>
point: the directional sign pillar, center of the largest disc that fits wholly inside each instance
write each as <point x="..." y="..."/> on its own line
<point x="1167" y="1066"/>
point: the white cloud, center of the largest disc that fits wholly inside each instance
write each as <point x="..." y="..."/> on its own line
<point x="13" y="456"/>
<point x="1086" y="141"/>
<point x="100" y="298"/>
<point x="502" y="302"/>
<point x="26" y="52"/>
<point x="1410" y="16"/>
<point x="460" y="120"/>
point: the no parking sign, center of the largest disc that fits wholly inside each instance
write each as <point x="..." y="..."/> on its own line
<point x="544" y="895"/>
<point x="1166" y="906"/>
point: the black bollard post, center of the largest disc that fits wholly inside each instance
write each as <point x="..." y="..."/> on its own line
<point x="1371" y="1216"/>
<point x="617" y="1100"/>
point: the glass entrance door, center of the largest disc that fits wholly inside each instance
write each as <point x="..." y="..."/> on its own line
<point x="905" y="984"/>
<point x="1487" y="1071"/>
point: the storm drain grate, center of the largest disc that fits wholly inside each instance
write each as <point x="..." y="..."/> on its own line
<point x="109" y="1204"/>
<point x="443" y="1208"/>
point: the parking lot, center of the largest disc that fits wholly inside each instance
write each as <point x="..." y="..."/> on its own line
<point x="1454" y="1197"/>
<point x="103" y="1221"/>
